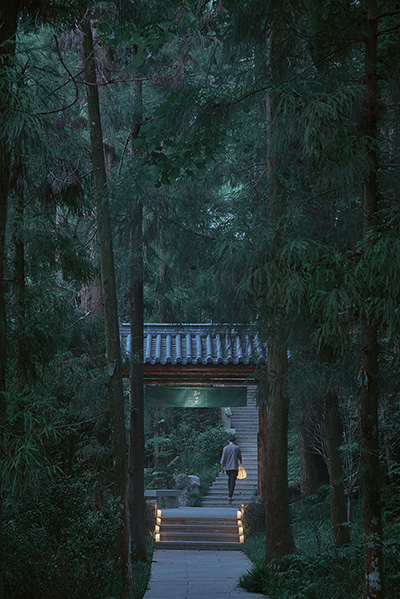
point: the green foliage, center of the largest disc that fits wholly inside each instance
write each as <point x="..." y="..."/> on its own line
<point x="199" y="165"/>
<point x="59" y="544"/>
<point x="253" y="521"/>
<point x="317" y="569"/>
<point x="141" y="574"/>
<point x="194" y="499"/>
<point x="31" y="426"/>
<point x="197" y="437"/>
<point x="293" y="456"/>
<point x="158" y="478"/>
<point x="335" y="574"/>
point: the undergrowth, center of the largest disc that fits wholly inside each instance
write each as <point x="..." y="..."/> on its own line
<point x="62" y="544"/>
<point x="317" y="569"/>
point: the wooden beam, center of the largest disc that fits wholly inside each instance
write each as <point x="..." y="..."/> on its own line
<point x="199" y="374"/>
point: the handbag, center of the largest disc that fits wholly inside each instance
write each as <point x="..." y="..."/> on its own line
<point x="242" y="473"/>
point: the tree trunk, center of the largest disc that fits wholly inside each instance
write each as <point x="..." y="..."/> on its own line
<point x="161" y="280"/>
<point x="136" y="423"/>
<point x="262" y="448"/>
<point x="279" y="539"/>
<point x="113" y="348"/>
<point x="373" y="587"/>
<point x="314" y="472"/>
<point x="334" y="433"/>
<point x="136" y="420"/>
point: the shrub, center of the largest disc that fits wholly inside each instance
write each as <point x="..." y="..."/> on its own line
<point x="194" y="499"/>
<point x="333" y="574"/>
<point x="56" y="545"/>
<point x="253" y="519"/>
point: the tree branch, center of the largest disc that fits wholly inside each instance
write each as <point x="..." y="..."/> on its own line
<point x="72" y="78"/>
<point x="74" y="424"/>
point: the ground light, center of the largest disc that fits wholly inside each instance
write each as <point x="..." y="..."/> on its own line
<point x="157" y="526"/>
<point x="239" y="515"/>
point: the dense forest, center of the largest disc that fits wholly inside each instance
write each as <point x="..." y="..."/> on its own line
<point x="199" y="161"/>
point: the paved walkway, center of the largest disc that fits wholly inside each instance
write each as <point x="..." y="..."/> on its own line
<point x="191" y="574"/>
<point x="185" y="574"/>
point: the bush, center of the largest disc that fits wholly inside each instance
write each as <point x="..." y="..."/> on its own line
<point x="253" y="519"/>
<point x="194" y="499"/>
<point x="333" y="574"/>
<point x="56" y="545"/>
<point x="317" y="570"/>
<point x="150" y="515"/>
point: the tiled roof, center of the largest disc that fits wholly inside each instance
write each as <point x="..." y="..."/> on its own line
<point x="197" y="344"/>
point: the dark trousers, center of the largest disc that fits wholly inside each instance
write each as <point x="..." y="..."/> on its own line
<point x="232" y="474"/>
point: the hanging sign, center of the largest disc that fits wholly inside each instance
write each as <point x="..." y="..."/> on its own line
<point x="195" y="397"/>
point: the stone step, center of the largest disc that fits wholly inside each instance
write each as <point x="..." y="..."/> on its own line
<point x="223" y="499"/>
<point x="251" y="477"/>
<point x="223" y="493"/>
<point x="223" y="490"/>
<point x="240" y="484"/>
<point x="246" y="424"/>
<point x="204" y="528"/>
<point x="198" y="521"/>
<point x="185" y="532"/>
<point x="236" y="503"/>
<point x="207" y="538"/>
<point x="199" y="545"/>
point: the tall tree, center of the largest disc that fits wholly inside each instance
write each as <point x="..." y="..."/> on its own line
<point x="114" y="360"/>
<point x="373" y="587"/>
<point x="334" y="434"/>
<point x="136" y="383"/>
<point x="279" y="539"/>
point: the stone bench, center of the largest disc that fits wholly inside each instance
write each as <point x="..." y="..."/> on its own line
<point x="171" y="496"/>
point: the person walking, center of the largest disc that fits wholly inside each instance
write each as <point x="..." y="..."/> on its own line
<point x="230" y="460"/>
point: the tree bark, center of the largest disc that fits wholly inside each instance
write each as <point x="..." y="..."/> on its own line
<point x="136" y="427"/>
<point x="262" y="448"/>
<point x="279" y="539"/>
<point x="334" y="432"/>
<point x="313" y="468"/>
<point x="373" y="587"/>
<point x="113" y="348"/>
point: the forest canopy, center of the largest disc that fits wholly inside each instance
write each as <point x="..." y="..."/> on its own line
<point x="210" y="162"/>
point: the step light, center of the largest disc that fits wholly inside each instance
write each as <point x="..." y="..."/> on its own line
<point x="239" y="515"/>
<point x="157" y="526"/>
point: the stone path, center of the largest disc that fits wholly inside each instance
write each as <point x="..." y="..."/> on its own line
<point x="198" y="575"/>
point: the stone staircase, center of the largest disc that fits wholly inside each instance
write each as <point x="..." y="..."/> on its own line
<point x="198" y="529"/>
<point x="217" y="524"/>
<point x="245" y="422"/>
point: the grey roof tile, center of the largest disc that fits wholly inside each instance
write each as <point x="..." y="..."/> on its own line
<point x="166" y="343"/>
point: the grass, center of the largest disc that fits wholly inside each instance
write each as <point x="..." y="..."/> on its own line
<point x="141" y="574"/>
